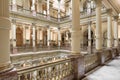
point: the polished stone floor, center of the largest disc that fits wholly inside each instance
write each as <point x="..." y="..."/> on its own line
<point x="111" y="71"/>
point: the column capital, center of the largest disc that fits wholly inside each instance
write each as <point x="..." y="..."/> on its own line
<point x="109" y="11"/>
<point x="13" y="21"/>
<point x="90" y="22"/>
<point x="116" y="18"/>
<point x="33" y="24"/>
<point x="59" y="28"/>
<point x="48" y="26"/>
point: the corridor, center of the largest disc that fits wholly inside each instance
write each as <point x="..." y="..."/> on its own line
<point x="110" y="71"/>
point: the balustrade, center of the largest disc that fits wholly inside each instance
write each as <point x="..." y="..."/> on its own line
<point x="91" y="61"/>
<point x="50" y="71"/>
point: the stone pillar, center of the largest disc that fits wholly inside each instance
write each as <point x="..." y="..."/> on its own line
<point x="59" y="10"/>
<point x="75" y="27"/>
<point x="70" y="10"/>
<point x="14" y="5"/>
<point x="109" y="28"/>
<point x="59" y="37"/>
<point x="14" y="36"/>
<point x="116" y="31"/>
<point x="6" y="72"/>
<point x="98" y="25"/>
<point x="89" y="38"/>
<point x="48" y="36"/>
<point x="33" y="8"/>
<point x="33" y="36"/>
<point x="48" y="9"/>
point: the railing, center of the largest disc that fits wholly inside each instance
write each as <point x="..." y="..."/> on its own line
<point x="65" y="68"/>
<point x="84" y="14"/>
<point x="91" y="61"/>
<point x="51" y="71"/>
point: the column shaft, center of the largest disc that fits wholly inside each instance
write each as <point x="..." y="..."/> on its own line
<point x="116" y="31"/>
<point x="4" y="35"/>
<point x="98" y="26"/>
<point x="75" y="26"/>
<point x="48" y="36"/>
<point x="48" y="9"/>
<point x="14" y="5"/>
<point x="89" y="38"/>
<point x="33" y="35"/>
<point x="33" y="8"/>
<point x="59" y="37"/>
<point x="109" y="29"/>
<point x="58" y="10"/>
<point x="14" y="33"/>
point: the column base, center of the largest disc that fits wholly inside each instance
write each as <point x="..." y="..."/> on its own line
<point x="89" y="49"/>
<point x="111" y="52"/>
<point x="78" y="64"/>
<point x="34" y="49"/>
<point x="101" y="58"/>
<point x="14" y="51"/>
<point x="9" y="75"/>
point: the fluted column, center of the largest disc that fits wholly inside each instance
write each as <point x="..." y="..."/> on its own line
<point x="33" y="35"/>
<point x="14" y="36"/>
<point x="116" y="31"/>
<point x="14" y="5"/>
<point x="59" y="10"/>
<point x="98" y="25"/>
<point x="4" y="36"/>
<point x="48" y="36"/>
<point x="75" y="26"/>
<point x="109" y="28"/>
<point x="59" y="37"/>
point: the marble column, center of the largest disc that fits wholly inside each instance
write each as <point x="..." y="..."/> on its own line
<point x="59" y="10"/>
<point x="59" y="37"/>
<point x="89" y="38"/>
<point x="116" y="40"/>
<point x="33" y="8"/>
<point x="6" y="72"/>
<point x="109" y="28"/>
<point x="33" y="36"/>
<point x="75" y="27"/>
<point x="14" y="5"/>
<point x="98" y="31"/>
<point x="48" y="9"/>
<point x="48" y="36"/>
<point x="14" y="36"/>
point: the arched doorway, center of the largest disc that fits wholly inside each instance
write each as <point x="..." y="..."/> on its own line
<point x="19" y="37"/>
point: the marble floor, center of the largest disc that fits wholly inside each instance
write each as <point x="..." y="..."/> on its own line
<point x="111" y="71"/>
